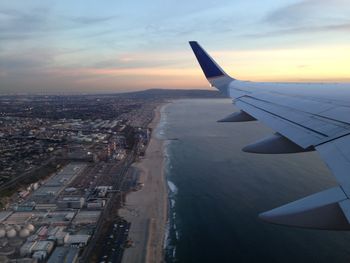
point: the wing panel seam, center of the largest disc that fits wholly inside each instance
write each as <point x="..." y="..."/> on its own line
<point x="319" y="116"/>
<point x="283" y="118"/>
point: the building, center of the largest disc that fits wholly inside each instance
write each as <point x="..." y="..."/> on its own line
<point x="71" y="202"/>
<point x="4" y="215"/>
<point x="78" y="240"/>
<point x="42" y="232"/>
<point x="58" y="235"/>
<point x="46" y="246"/>
<point x="46" y="207"/>
<point x="99" y="204"/>
<point x="18" y="218"/>
<point x="87" y="217"/>
<point x="28" y="206"/>
<point x="40" y="256"/>
<point x="27" y="248"/>
<point x="64" y="254"/>
<point x="48" y="192"/>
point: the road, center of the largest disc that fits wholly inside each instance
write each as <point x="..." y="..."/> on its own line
<point x="109" y="213"/>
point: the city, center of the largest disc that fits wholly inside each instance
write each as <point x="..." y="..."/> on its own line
<point x="64" y="173"/>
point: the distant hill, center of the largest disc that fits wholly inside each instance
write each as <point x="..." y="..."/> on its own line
<point x="171" y="94"/>
<point x="143" y="94"/>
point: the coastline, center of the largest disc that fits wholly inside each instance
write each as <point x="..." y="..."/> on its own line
<point x="146" y="209"/>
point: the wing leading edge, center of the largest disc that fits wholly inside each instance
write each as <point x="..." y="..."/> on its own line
<point x="303" y="121"/>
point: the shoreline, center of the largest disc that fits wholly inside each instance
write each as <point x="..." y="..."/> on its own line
<point x="147" y="208"/>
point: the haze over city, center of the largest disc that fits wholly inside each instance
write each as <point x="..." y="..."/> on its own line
<point x="117" y="46"/>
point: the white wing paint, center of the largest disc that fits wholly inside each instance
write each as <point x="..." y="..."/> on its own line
<point x="306" y="117"/>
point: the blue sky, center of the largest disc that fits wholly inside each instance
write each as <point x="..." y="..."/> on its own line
<point x="113" y="46"/>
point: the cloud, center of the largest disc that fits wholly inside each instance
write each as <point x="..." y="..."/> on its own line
<point x="307" y="29"/>
<point x="305" y="17"/>
<point x="309" y="13"/>
<point x="38" y="22"/>
<point x="85" y="20"/>
<point x="17" y="24"/>
<point x="29" y="60"/>
<point x="137" y="61"/>
<point x="66" y="44"/>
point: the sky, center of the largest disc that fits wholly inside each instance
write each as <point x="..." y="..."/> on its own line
<point x="97" y="46"/>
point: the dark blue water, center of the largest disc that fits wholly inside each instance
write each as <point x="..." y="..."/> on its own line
<point x="218" y="191"/>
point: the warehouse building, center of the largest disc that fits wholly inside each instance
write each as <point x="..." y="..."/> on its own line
<point x="77" y="240"/>
<point x="87" y="217"/>
<point x="64" y="254"/>
<point x="71" y="202"/>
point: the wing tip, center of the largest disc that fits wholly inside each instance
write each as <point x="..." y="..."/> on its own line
<point x="210" y="68"/>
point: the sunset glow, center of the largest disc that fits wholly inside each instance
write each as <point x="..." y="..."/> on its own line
<point x="50" y="46"/>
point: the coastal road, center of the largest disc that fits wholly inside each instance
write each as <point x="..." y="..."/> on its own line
<point x="118" y="172"/>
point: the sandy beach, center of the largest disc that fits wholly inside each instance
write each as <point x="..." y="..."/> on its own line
<point x="146" y="209"/>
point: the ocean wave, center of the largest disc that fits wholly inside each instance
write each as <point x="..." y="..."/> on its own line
<point x="177" y="234"/>
<point x="172" y="232"/>
<point x="160" y="131"/>
<point x="172" y="187"/>
<point x="166" y="236"/>
<point x="171" y="254"/>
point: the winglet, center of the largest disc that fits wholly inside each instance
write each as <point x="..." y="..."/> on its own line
<point x="212" y="71"/>
<point x="210" y="68"/>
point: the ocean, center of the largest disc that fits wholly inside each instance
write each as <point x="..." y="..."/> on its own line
<point x="216" y="191"/>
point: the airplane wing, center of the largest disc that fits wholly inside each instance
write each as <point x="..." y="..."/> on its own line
<point x="305" y="118"/>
